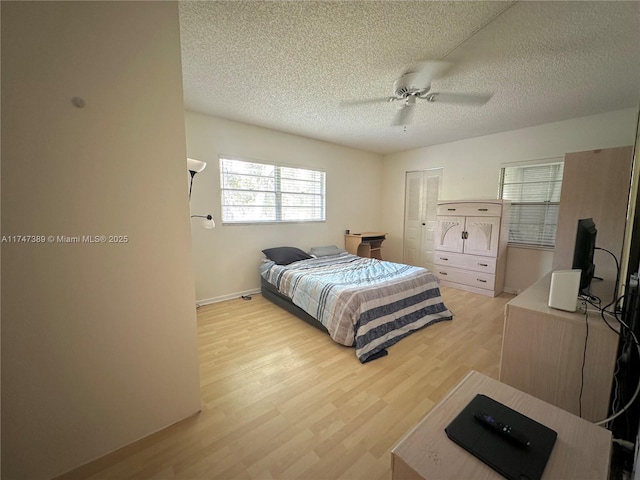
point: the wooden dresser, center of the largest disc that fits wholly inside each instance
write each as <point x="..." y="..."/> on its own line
<point x="471" y="245"/>
<point x="543" y="350"/>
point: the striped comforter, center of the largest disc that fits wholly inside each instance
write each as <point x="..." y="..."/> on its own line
<point x="367" y="302"/>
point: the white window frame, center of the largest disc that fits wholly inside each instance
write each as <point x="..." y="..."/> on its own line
<point x="545" y="204"/>
<point x="279" y="205"/>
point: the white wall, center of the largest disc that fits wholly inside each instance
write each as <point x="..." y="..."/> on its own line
<point x="471" y="169"/>
<point x="99" y="342"/>
<point x="226" y="259"/>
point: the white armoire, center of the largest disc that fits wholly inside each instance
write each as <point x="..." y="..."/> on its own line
<point x="471" y="245"/>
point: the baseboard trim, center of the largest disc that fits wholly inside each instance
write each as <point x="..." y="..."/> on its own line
<point x="222" y="298"/>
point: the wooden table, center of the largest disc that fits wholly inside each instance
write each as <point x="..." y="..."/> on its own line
<point x="582" y="450"/>
<point x="366" y="244"/>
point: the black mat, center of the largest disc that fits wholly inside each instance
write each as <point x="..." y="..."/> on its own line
<point x="510" y="459"/>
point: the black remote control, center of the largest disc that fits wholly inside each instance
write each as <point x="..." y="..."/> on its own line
<point x="502" y="428"/>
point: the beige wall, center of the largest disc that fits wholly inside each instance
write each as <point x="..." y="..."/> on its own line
<point x="226" y="259"/>
<point x="471" y="169"/>
<point x="99" y="344"/>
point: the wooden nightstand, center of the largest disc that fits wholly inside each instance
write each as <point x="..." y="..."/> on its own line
<point x="582" y="450"/>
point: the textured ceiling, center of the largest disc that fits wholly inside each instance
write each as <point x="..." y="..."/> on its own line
<point x="289" y="65"/>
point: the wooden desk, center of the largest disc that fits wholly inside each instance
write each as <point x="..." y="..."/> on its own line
<point x="366" y="244"/>
<point x="582" y="450"/>
<point x="543" y="349"/>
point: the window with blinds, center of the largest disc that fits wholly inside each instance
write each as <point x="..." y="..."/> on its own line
<point x="534" y="192"/>
<point x="263" y="193"/>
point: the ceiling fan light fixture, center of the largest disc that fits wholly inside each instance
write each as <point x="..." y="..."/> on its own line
<point x="407" y="102"/>
<point x="416" y="83"/>
<point x="407" y="86"/>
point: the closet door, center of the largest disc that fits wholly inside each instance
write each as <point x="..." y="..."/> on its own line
<point x="422" y="190"/>
<point x="430" y="217"/>
<point x="412" y="218"/>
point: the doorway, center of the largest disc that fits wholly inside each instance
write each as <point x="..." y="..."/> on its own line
<point x="422" y="190"/>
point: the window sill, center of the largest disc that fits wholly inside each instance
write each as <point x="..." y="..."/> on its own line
<point x="530" y="247"/>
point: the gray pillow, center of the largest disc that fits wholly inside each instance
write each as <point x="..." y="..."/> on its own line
<point x="324" y="251"/>
<point x="285" y="255"/>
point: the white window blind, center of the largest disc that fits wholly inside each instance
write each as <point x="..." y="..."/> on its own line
<point x="534" y="192"/>
<point x="264" y="193"/>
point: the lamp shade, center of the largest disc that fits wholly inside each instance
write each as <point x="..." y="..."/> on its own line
<point x="195" y="165"/>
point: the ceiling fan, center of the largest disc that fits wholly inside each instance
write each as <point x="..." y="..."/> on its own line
<point x="415" y="84"/>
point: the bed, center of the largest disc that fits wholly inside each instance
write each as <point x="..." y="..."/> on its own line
<point x="363" y="302"/>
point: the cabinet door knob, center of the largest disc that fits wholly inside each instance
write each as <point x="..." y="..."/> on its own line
<point x="481" y="280"/>
<point x="483" y="209"/>
<point x="444" y="258"/>
<point x="483" y="264"/>
<point x="443" y="273"/>
<point x="423" y="224"/>
<point x="451" y="209"/>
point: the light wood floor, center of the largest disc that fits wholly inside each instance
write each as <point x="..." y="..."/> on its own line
<point x="281" y="400"/>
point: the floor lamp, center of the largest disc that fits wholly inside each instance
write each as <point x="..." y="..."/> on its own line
<point x="196" y="166"/>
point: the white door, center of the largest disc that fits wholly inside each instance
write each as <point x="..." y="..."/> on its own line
<point x="482" y="236"/>
<point x="430" y="218"/>
<point x="412" y="218"/>
<point x="421" y="201"/>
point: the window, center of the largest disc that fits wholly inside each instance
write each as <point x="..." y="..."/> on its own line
<point x="534" y="192"/>
<point x="263" y="193"/>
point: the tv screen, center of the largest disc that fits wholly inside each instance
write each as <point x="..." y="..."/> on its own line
<point x="584" y="250"/>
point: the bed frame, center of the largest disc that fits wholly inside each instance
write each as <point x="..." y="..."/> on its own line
<point x="272" y="294"/>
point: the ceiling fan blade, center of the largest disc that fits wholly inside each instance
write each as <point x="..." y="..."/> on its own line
<point x="366" y="101"/>
<point x="459" y="98"/>
<point x="429" y="70"/>
<point x="404" y="116"/>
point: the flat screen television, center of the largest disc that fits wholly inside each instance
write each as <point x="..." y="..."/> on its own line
<point x="584" y="250"/>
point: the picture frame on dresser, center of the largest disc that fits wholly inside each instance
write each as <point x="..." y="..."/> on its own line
<point x="471" y="245"/>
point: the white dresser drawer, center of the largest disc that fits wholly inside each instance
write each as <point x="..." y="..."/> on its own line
<point x="465" y="277"/>
<point x="474" y="209"/>
<point x="470" y="262"/>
